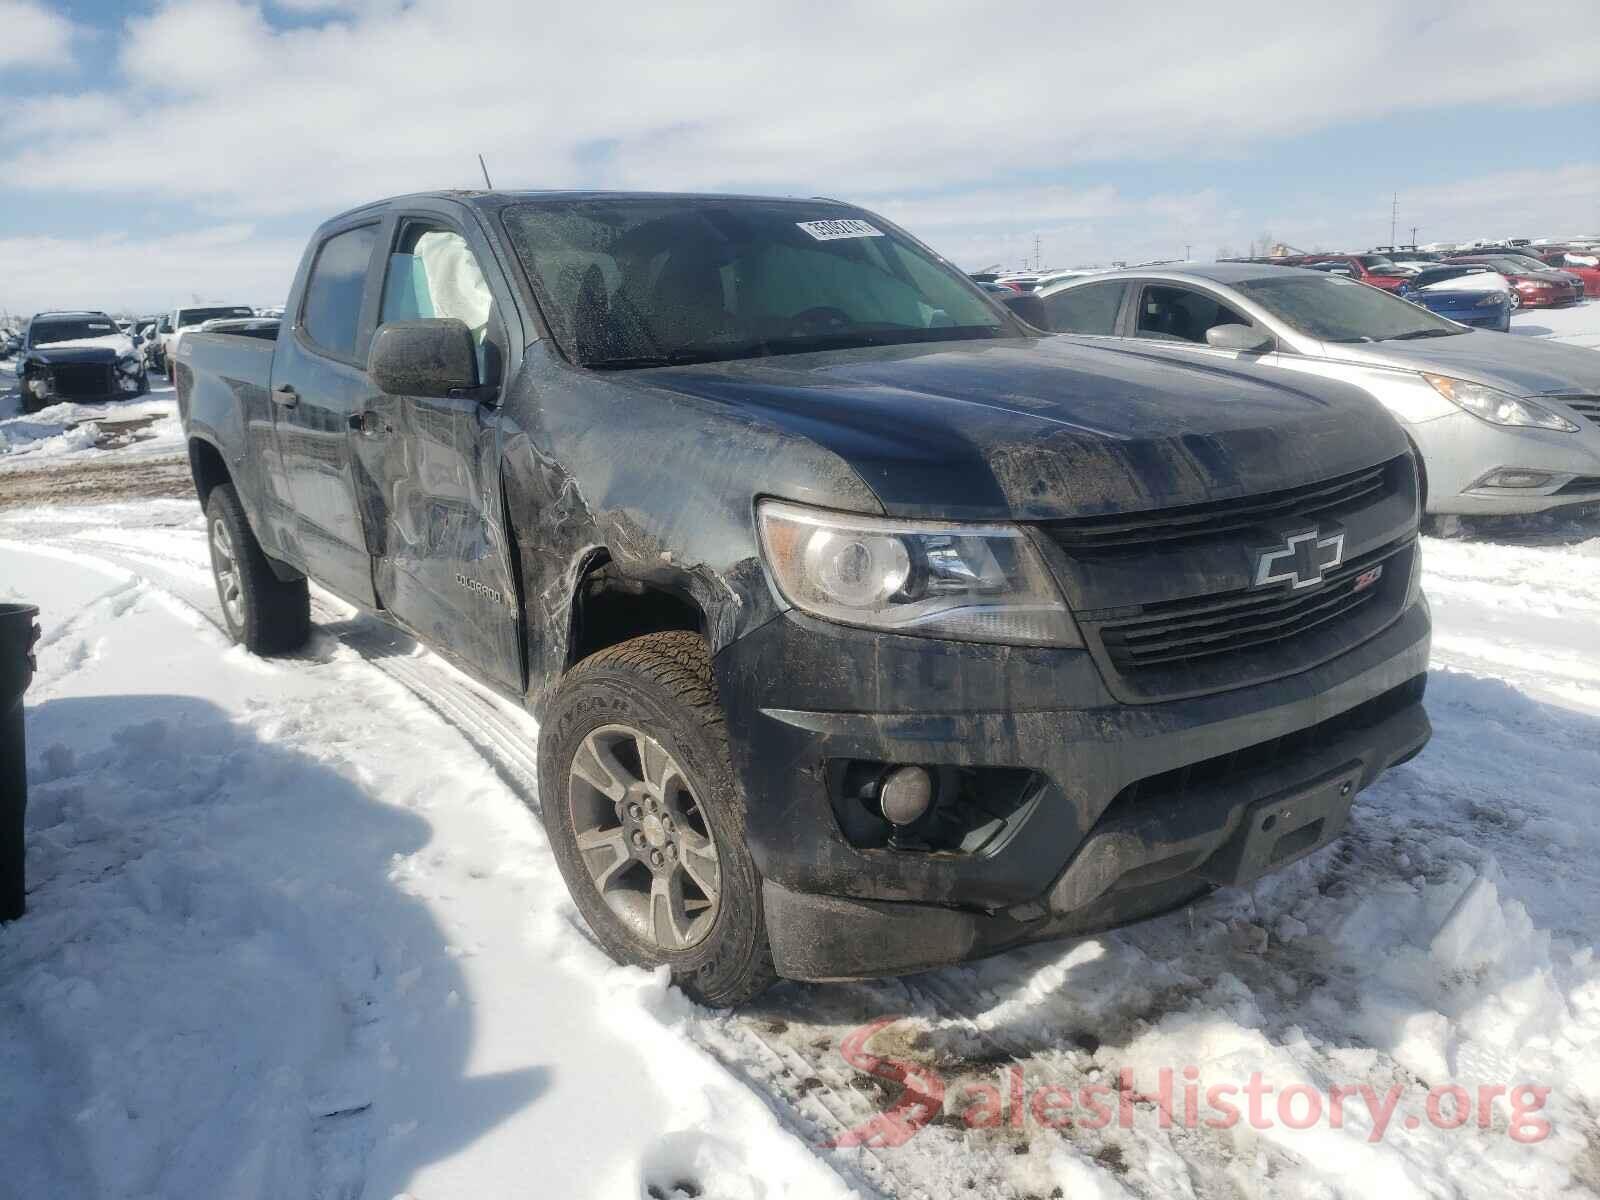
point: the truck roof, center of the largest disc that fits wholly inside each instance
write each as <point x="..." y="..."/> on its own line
<point x="502" y="197"/>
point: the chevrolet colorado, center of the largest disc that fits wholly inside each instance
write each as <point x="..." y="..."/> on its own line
<point x="868" y="628"/>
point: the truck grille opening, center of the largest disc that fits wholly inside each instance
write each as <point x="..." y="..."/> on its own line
<point x="1182" y="631"/>
<point x="73" y="380"/>
<point x="1140" y="532"/>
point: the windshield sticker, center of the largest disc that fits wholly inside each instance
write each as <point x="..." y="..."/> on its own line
<point x="828" y="231"/>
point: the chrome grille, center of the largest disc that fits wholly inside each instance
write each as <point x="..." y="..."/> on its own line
<point x="1587" y="407"/>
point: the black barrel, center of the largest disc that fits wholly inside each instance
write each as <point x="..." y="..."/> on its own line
<point x="18" y="633"/>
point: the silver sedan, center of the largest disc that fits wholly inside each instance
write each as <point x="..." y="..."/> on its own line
<point x="1503" y="424"/>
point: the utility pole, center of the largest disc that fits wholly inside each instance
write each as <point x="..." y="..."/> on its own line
<point x="1413" y="237"/>
<point x="1037" y="262"/>
<point x="1186" y="248"/>
<point x="1394" y="216"/>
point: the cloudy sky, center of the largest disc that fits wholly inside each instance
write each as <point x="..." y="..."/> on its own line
<point x="158" y="152"/>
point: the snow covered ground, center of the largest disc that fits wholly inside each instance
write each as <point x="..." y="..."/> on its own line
<point x="142" y="428"/>
<point x="294" y="931"/>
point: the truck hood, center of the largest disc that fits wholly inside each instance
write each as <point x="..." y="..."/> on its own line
<point x="85" y="350"/>
<point x="1523" y="366"/>
<point x="1043" y="428"/>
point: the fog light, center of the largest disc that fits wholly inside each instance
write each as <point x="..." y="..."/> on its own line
<point x="905" y="795"/>
<point x="1517" y="479"/>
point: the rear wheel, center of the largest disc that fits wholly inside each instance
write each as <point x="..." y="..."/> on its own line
<point x="644" y="816"/>
<point x="263" y="613"/>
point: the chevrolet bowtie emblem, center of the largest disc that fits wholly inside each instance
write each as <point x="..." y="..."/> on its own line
<point x="1301" y="560"/>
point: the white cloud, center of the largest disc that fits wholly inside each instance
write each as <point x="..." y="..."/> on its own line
<point x="225" y="263"/>
<point x="928" y="111"/>
<point x="872" y="99"/>
<point x="33" y="36"/>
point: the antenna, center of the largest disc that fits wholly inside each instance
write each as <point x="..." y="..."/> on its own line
<point x="485" y="171"/>
<point x="1394" y="216"/>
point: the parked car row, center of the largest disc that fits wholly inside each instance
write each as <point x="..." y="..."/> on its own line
<point x="1500" y="424"/>
<point x="91" y="356"/>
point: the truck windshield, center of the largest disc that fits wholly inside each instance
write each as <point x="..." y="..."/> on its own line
<point x="1334" y="309"/>
<point x="646" y="282"/>
<point x="190" y="317"/>
<point x="46" y="333"/>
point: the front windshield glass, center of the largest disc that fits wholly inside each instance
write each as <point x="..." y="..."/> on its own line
<point x="650" y="282"/>
<point x="1334" y="309"/>
<point x="190" y="317"/>
<point x="69" y="329"/>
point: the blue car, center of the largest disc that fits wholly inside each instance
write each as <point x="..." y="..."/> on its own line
<point x="1488" y="307"/>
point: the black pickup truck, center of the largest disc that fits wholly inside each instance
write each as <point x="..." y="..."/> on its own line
<point x="868" y="628"/>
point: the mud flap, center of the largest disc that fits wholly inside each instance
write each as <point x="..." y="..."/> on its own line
<point x="1279" y="829"/>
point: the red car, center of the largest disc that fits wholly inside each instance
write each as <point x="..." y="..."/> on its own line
<point x="1585" y="265"/>
<point x="1374" y="269"/>
<point x="1531" y="287"/>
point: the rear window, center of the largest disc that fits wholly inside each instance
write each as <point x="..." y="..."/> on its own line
<point x="189" y="317"/>
<point x="1091" y="308"/>
<point x="331" y="314"/>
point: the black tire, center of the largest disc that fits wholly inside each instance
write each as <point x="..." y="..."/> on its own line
<point x="263" y="613"/>
<point x="661" y="686"/>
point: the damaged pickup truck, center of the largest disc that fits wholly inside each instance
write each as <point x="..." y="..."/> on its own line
<point x="869" y="629"/>
<point x="78" y="356"/>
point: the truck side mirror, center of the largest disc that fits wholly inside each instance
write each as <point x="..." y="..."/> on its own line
<point x="433" y="357"/>
<point x="1243" y="338"/>
<point x="1027" y="306"/>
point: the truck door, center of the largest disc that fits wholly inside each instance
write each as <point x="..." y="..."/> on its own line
<point x="319" y="379"/>
<point x="433" y="509"/>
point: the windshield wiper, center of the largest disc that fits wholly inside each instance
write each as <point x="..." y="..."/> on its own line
<point x="1414" y="334"/>
<point x="672" y="358"/>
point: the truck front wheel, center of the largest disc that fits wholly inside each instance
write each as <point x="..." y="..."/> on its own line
<point x="639" y="799"/>
<point x="263" y="613"/>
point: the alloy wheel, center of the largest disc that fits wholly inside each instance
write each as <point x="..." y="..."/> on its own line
<point x="226" y="567"/>
<point x="643" y="837"/>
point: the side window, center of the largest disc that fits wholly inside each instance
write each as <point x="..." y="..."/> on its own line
<point x="1175" y="314"/>
<point x="433" y="273"/>
<point x="331" y="313"/>
<point x="1090" y="308"/>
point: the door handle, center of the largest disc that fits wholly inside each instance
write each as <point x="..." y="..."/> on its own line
<point x="285" y="395"/>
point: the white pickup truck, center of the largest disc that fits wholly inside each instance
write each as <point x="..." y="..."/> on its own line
<point x="172" y="328"/>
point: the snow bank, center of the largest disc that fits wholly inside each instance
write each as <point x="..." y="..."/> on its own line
<point x="68" y="432"/>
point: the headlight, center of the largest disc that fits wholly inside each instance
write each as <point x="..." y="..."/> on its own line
<point x="128" y="365"/>
<point x="975" y="583"/>
<point x="1492" y="300"/>
<point x="1497" y="407"/>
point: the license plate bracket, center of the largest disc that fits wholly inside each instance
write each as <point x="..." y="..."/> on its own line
<point x="1281" y="828"/>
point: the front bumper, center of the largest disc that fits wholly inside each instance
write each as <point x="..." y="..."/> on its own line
<point x="1088" y="852"/>
<point x="1460" y="451"/>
